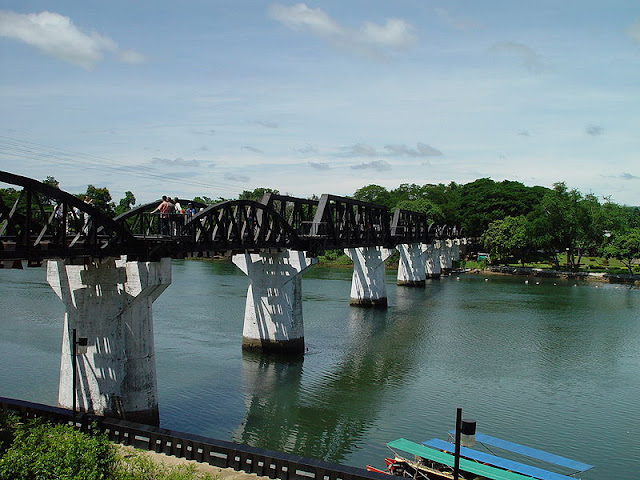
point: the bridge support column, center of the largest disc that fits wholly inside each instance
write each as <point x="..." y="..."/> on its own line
<point x="432" y="265"/>
<point x="367" y="283"/>
<point x="109" y="302"/>
<point x="411" y="268"/>
<point x="445" y="256"/>
<point x="455" y="249"/>
<point x="273" y="312"/>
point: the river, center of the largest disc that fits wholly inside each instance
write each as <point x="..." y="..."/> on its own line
<point x="555" y="366"/>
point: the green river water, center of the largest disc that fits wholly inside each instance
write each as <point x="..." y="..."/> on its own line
<point x="555" y="366"/>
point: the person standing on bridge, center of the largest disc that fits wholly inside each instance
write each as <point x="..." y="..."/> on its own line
<point x="178" y="218"/>
<point x="165" y="209"/>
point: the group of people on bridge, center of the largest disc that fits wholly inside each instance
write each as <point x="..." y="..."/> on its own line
<point x="172" y="214"/>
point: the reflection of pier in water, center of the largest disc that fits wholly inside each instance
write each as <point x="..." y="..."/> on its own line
<point x="342" y="404"/>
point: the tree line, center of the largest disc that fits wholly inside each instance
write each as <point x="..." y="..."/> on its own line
<point x="516" y="222"/>
<point x="512" y="221"/>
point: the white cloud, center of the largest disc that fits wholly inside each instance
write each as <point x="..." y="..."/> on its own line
<point x="377" y="165"/>
<point x="530" y="59"/>
<point x="130" y="56"/>
<point x="370" y="40"/>
<point x="236" y="178"/>
<point x="395" y="33"/>
<point x="594" y="130"/>
<point x="456" y="22"/>
<point x="251" y="149"/>
<point x="319" y="165"/>
<point x="178" y="162"/>
<point x="421" y="150"/>
<point x="634" y="31"/>
<point x="266" y="124"/>
<point x="57" y="36"/>
<point x="361" y="149"/>
<point x="307" y="149"/>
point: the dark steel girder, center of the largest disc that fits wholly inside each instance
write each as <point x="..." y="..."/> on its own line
<point x="46" y="222"/>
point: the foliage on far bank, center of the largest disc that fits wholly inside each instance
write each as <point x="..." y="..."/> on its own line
<point x="566" y="224"/>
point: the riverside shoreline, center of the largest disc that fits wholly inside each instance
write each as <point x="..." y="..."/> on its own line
<point x="546" y="273"/>
<point x="171" y="461"/>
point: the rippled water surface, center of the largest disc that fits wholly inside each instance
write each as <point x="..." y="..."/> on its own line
<point x="554" y="366"/>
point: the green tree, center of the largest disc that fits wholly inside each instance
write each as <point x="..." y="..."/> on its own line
<point x="447" y="198"/>
<point x="257" y="194"/>
<point x="375" y="194"/>
<point x="484" y="201"/>
<point x="509" y="237"/>
<point x="100" y="198"/>
<point x="423" y="205"/>
<point x="126" y="203"/>
<point x="625" y="246"/>
<point x="51" y="181"/>
<point x="8" y="197"/>
<point x="208" y="200"/>
<point x="565" y="221"/>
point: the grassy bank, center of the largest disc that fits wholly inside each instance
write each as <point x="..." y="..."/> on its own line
<point x="587" y="265"/>
<point x="37" y="450"/>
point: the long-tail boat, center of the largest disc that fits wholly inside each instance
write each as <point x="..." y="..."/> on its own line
<point x="435" y="460"/>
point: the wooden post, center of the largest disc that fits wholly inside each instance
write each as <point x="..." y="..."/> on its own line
<point x="456" y="461"/>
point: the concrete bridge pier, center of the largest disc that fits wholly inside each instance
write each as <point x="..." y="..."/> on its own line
<point x="109" y="302"/>
<point x="432" y="265"/>
<point x="412" y="264"/>
<point x="455" y="250"/>
<point x="273" y="312"/>
<point x="445" y="256"/>
<point x="367" y="283"/>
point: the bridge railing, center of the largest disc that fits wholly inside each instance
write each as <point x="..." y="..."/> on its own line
<point x="148" y="225"/>
<point x="219" y="453"/>
<point x="39" y="221"/>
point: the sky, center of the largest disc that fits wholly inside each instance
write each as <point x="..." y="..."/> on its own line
<point x="206" y="97"/>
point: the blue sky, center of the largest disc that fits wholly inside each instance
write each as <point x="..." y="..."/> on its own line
<point x="214" y="97"/>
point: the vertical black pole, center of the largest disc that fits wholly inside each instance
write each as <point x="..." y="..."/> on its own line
<point x="456" y="461"/>
<point x="75" y="373"/>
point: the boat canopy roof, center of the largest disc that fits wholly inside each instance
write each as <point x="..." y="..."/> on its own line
<point x="497" y="461"/>
<point x="532" y="452"/>
<point x="432" y="454"/>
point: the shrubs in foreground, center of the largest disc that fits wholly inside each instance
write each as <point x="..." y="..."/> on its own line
<point x="40" y="451"/>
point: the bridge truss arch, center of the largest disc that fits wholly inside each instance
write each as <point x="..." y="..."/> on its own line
<point x="46" y="222"/>
<point x="239" y="225"/>
<point x="220" y="229"/>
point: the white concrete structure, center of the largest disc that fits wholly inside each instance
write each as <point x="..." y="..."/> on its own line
<point x="273" y="312"/>
<point x="455" y="251"/>
<point x="412" y="264"/>
<point x="432" y="265"/>
<point x="109" y="302"/>
<point x="446" y="249"/>
<point x="367" y="283"/>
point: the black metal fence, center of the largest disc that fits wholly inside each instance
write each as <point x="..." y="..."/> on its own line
<point x="194" y="447"/>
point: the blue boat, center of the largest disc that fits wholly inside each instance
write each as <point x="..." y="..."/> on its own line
<point x="435" y="459"/>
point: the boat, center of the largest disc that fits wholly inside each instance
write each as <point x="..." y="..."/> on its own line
<point x="435" y="460"/>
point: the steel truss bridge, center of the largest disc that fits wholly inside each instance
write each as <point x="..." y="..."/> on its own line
<point x="45" y="222"/>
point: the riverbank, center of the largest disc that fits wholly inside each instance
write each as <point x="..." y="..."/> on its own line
<point x="547" y="273"/>
<point x="202" y="468"/>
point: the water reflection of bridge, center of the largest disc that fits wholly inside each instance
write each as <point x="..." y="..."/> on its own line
<point x="361" y="382"/>
<point x="108" y="271"/>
